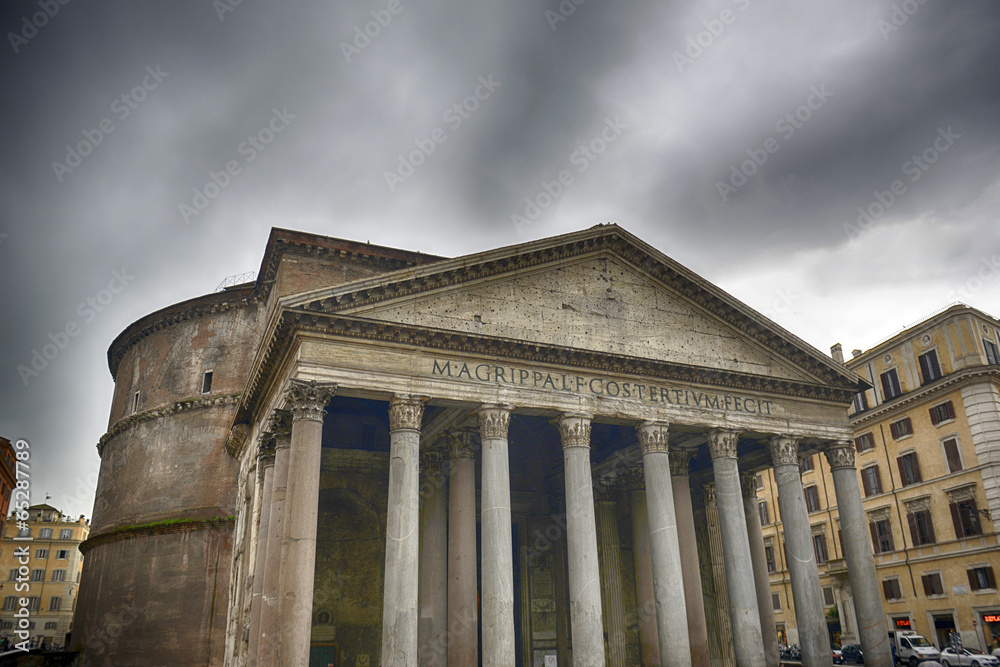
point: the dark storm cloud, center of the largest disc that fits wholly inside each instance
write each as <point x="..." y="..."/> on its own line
<point x="349" y="106"/>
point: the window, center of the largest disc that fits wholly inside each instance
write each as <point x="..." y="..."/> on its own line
<point x="882" y="536"/>
<point x="819" y="547"/>
<point x="860" y="402"/>
<point x="932" y="584"/>
<point x="45" y="534"/>
<point x="41" y="553"/>
<point x="62" y="554"/>
<point x="871" y="480"/>
<point x="6" y="625"/>
<point x="776" y="601"/>
<point x="992" y="352"/>
<point x="38" y="575"/>
<point x="965" y="516"/>
<point x="135" y="402"/>
<point x="909" y="469"/>
<point x="51" y="625"/>
<point x="828" y="599"/>
<point x="33" y="603"/>
<point x="930" y="369"/>
<point x="769" y="558"/>
<point x="58" y="575"/>
<point x="66" y="534"/>
<point x="762" y="509"/>
<point x="55" y="604"/>
<point x="951" y="455"/>
<point x="10" y="603"/>
<point x="981" y="578"/>
<point x="206" y="382"/>
<point x="901" y="428"/>
<point x="812" y="498"/>
<point x="806" y="463"/>
<point x="890" y="384"/>
<point x="921" y="527"/>
<point x="890" y="588"/>
<point x="13" y="574"/>
<point x="942" y="413"/>
<point x="864" y="442"/>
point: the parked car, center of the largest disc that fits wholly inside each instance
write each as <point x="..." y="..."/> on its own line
<point x="852" y="653"/>
<point x="836" y="654"/>
<point x="956" y="657"/>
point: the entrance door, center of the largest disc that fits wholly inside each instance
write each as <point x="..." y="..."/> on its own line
<point x="324" y="655"/>
<point x="944" y="625"/>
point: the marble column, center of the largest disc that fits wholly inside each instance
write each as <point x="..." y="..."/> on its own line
<point x="402" y="547"/>
<point x="671" y="608"/>
<point x="265" y="462"/>
<point x="860" y="561"/>
<point x="680" y="466"/>
<point x="645" y="598"/>
<point x="723" y="637"/>
<point x="267" y="641"/>
<point x="762" y="579"/>
<point x="802" y="569"/>
<point x="432" y="628"/>
<point x="463" y="591"/>
<point x="736" y="550"/>
<point x="609" y="555"/>
<point x="298" y="557"/>
<point x="586" y="622"/>
<point x="498" y="557"/>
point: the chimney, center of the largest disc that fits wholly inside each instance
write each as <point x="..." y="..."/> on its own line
<point x="838" y="353"/>
<point x="856" y="353"/>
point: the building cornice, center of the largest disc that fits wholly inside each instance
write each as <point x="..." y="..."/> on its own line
<point x="187" y="404"/>
<point x="927" y="393"/>
<point x="158" y="528"/>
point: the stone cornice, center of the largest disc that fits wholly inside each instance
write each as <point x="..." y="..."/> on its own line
<point x="187" y="404"/>
<point x="217" y="302"/>
<point x="928" y="393"/>
<point x="293" y="323"/>
<point x="158" y="528"/>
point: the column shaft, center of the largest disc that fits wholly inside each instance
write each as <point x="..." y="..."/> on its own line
<point x="736" y="550"/>
<point x="694" y="598"/>
<point x="432" y="629"/>
<point x="645" y="598"/>
<point x="402" y="547"/>
<point x="260" y="561"/>
<point x="609" y="554"/>
<point x="463" y="592"/>
<point x="497" y="558"/>
<point x="860" y="561"/>
<point x="809" y="618"/>
<point x="298" y="564"/>
<point x="671" y="608"/>
<point x="267" y="642"/>
<point x="762" y="579"/>
<point x="721" y="646"/>
<point x="587" y="626"/>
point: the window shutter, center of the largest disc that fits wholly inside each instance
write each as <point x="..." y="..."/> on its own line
<point x="887" y="589"/>
<point x="930" y="528"/>
<point x="857" y="444"/>
<point x="916" y="469"/>
<point x="927" y="585"/>
<point x="902" y="471"/>
<point x="956" y="518"/>
<point x="925" y="371"/>
<point x="951" y="453"/>
<point x="912" y="520"/>
<point x="973" y="582"/>
<point x="864" y="482"/>
<point x="874" y="532"/>
<point x="935" y="416"/>
<point x="949" y="410"/>
<point x="991" y="582"/>
<point x="878" y="480"/>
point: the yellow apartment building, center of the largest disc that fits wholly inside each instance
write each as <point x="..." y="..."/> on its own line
<point x="927" y="440"/>
<point x="41" y="563"/>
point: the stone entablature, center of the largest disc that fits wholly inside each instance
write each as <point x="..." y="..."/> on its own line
<point x="193" y="403"/>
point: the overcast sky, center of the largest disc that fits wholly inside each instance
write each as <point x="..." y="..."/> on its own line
<point x="738" y="137"/>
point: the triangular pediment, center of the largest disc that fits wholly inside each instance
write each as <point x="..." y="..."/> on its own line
<point x="601" y="290"/>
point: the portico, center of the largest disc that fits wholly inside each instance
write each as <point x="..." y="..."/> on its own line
<point x="570" y="399"/>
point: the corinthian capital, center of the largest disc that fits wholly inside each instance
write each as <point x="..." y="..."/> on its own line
<point x="722" y="443"/>
<point x="308" y="398"/>
<point x="406" y="412"/>
<point x="840" y="454"/>
<point x="709" y="493"/>
<point x="494" y="421"/>
<point x="462" y="443"/>
<point x="784" y="450"/>
<point x="680" y="462"/>
<point x="653" y="436"/>
<point x="574" y="430"/>
<point x="748" y="481"/>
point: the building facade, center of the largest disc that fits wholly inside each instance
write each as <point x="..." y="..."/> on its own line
<point x="41" y="562"/>
<point x="539" y="454"/>
<point x="8" y="478"/>
<point x="927" y="447"/>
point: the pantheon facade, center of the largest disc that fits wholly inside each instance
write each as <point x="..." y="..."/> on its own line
<point x="543" y="454"/>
